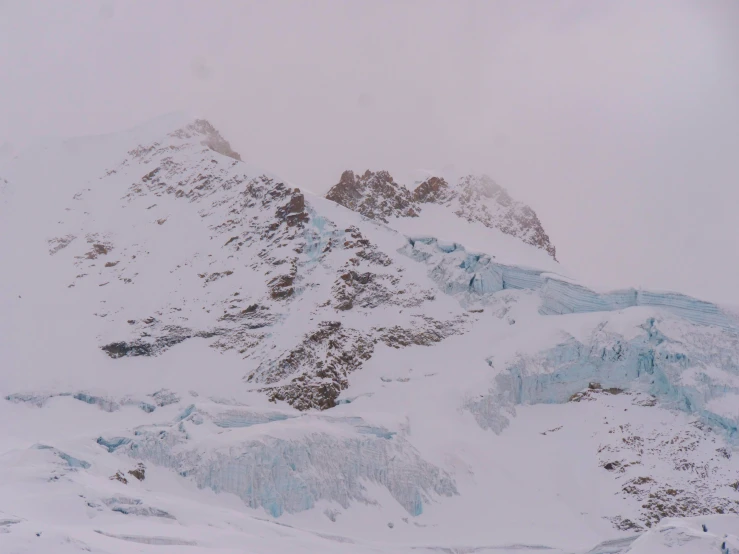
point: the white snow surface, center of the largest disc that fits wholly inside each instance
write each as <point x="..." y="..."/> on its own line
<point x="484" y="400"/>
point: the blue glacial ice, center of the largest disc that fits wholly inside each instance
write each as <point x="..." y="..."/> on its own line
<point x="361" y="427"/>
<point x="651" y="362"/>
<point x="164" y="397"/>
<point x="105" y="404"/>
<point x="187" y="412"/>
<point x="561" y="297"/>
<point x="114" y="443"/>
<point x="134" y="507"/>
<point x="228" y="418"/>
<point x="318" y="234"/>
<point x="473" y="278"/>
<point x="243" y="418"/>
<point x="157" y="541"/>
<point x="455" y="271"/>
<point x="72" y="462"/>
<point x="36" y="399"/>
<point x="290" y="475"/>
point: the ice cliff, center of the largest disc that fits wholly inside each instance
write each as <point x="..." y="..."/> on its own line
<point x="688" y="372"/>
<point x="474" y="277"/>
<point x="322" y="459"/>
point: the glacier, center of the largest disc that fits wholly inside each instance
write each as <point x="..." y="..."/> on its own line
<point x="318" y="234"/>
<point x="291" y="474"/>
<point x="133" y="506"/>
<point x="197" y="243"/>
<point x="651" y="362"/>
<point x="72" y="462"/>
<point x="104" y="403"/>
<point x="241" y="418"/>
<point x="475" y="277"/>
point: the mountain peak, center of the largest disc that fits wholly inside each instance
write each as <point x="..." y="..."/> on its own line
<point x="481" y="199"/>
<point x="375" y="195"/>
<point x="212" y="138"/>
<point x="474" y="198"/>
<point x="434" y="189"/>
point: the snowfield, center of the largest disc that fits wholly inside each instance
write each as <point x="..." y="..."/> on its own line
<point x="198" y="356"/>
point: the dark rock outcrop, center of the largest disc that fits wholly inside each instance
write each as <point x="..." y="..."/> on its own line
<point x="321" y="364"/>
<point x="476" y="198"/>
<point x="434" y="190"/>
<point x="374" y="195"/>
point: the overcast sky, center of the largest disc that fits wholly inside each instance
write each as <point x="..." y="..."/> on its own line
<point x="617" y="121"/>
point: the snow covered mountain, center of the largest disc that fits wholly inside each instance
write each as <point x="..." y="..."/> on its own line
<point x="200" y="355"/>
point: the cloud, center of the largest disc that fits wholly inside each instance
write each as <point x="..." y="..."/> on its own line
<point x="200" y="69"/>
<point x="616" y="121"/>
<point x="107" y="9"/>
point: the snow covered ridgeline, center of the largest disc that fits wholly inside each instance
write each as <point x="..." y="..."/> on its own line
<point x="473" y="277"/>
<point x="476" y="199"/>
<point x="285" y="463"/>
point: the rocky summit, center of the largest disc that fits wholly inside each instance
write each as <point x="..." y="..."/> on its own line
<point x="474" y="198"/>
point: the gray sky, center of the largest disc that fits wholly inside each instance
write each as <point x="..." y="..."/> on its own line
<point x="617" y="121"/>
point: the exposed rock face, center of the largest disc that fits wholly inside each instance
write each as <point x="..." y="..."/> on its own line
<point x="293" y="213"/>
<point x="476" y="198"/>
<point x="320" y="364"/>
<point x="434" y="190"/>
<point x="374" y="195"/>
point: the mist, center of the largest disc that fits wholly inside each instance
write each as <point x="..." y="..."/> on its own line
<point x="618" y="122"/>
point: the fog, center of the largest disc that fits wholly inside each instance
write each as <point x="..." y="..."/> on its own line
<point x="618" y="122"/>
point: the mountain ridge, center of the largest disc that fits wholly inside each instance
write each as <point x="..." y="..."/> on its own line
<point x="275" y="354"/>
<point x="472" y="197"/>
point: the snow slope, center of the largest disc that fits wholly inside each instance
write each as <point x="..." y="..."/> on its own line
<point x="198" y="355"/>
